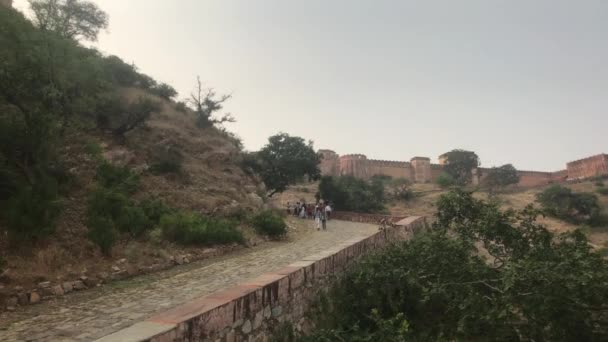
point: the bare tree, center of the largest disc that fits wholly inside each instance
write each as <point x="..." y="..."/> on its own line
<point x="205" y="105"/>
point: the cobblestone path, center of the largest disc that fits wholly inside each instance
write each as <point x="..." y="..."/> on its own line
<point x="92" y="314"/>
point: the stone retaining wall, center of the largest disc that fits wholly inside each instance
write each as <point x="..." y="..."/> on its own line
<point x="250" y="311"/>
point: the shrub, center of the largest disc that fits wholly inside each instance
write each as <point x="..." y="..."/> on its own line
<point x="561" y="202"/>
<point x="154" y="209"/>
<point x="181" y="107"/>
<point x="167" y="159"/>
<point x="93" y="149"/>
<point x="133" y="220"/>
<point x="269" y="223"/>
<point x="352" y="194"/>
<point x="31" y="213"/>
<point x="164" y="91"/>
<point x="116" y="177"/>
<point x="445" y="180"/>
<point x="189" y="228"/>
<point x="599" y="184"/>
<point x="102" y="233"/>
<point x="602" y="191"/>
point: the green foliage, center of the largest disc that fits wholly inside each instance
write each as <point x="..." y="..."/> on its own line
<point x="599" y="184"/>
<point x="602" y="191"/>
<point x="31" y="213"/>
<point x="181" y="107"/>
<point x="437" y="286"/>
<point x="563" y="203"/>
<point x="460" y="164"/>
<point x="445" y="180"/>
<point x="155" y="209"/>
<point x="284" y="160"/>
<point x="164" y="91"/>
<point x="121" y="178"/>
<point x="352" y="194"/>
<point x="102" y="233"/>
<point x="501" y="177"/>
<point x="399" y="189"/>
<point x="71" y="19"/>
<point x="189" y="228"/>
<point x="269" y="223"/>
<point x="133" y="220"/>
<point x="93" y="149"/>
<point x="121" y="116"/>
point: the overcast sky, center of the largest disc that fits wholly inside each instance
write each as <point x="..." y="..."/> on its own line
<point x="517" y="81"/>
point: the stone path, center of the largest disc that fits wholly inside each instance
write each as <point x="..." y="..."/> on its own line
<point x="95" y="313"/>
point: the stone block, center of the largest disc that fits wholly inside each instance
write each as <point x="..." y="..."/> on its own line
<point x="34" y="297"/>
<point x="67" y="287"/>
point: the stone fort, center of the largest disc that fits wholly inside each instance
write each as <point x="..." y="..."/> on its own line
<point x="421" y="170"/>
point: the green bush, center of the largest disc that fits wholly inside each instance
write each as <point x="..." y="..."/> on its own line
<point x="133" y="220"/>
<point x="602" y="191"/>
<point x="116" y="177"/>
<point x="353" y="194"/>
<point x="154" y="209"/>
<point x="181" y="107"/>
<point x="93" y="149"/>
<point x="189" y="228"/>
<point x="102" y="233"/>
<point x="31" y="213"/>
<point x="562" y="202"/>
<point x="269" y="223"/>
<point x="599" y="184"/>
<point x="445" y="180"/>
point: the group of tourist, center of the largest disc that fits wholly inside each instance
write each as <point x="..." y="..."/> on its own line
<point x="319" y="212"/>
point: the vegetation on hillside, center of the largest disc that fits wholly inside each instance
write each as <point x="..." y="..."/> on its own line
<point x="498" y="178"/>
<point x="348" y="193"/>
<point x="481" y="273"/>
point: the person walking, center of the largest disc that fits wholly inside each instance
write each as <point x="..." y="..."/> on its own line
<point x="323" y="217"/>
<point x="317" y="217"/>
<point x="328" y="211"/>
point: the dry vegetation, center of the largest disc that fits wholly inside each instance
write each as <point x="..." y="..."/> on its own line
<point x="210" y="182"/>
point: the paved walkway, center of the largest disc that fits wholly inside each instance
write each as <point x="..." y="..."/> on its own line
<point x="96" y="313"/>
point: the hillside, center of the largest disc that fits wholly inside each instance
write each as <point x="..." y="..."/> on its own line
<point x="210" y="182"/>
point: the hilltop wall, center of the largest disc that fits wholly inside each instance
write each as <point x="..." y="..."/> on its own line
<point x="420" y="169"/>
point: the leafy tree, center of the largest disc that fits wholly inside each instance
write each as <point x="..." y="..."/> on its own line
<point x="353" y="194"/>
<point x="500" y="177"/>
<point x="438" y="286"/>
<point x="445" y="180"/>
<point x="165" y="91"/>
<point x="285" y="160"/>
<point x="206" y="105"/>
<point x="460" y="164"/>
<point x="120" y="116"/>
<point x="72" y="19"/>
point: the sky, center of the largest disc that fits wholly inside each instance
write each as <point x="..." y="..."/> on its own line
<point x="517" y="81"/>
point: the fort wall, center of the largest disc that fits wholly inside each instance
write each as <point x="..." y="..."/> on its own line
<point x="420" y="169"/>
<point x="588" y="167"/>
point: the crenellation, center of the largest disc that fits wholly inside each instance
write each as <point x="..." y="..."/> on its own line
<point x="421" y="170"/>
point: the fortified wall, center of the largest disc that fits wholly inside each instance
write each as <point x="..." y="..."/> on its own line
<point x="421" y="170"/>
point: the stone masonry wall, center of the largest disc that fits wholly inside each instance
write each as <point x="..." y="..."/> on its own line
<point x="420" y="170"/>
<point x="251" y="310"/>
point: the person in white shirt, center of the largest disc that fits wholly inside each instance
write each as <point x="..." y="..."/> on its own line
<point x="328" y="211"/>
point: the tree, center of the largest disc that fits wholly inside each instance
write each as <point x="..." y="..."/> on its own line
<point x="500" y="177"/>
<point x="165" y="91"/>
<point x="534" y="285"/>
<point x="72" y="19"/>
<point x="205" y="105"/>
<point x="460" y="164"/>
<point x="353" y="194"/>
<point x="285" y="160"/>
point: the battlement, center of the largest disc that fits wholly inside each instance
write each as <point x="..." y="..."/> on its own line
<point x="421" y="170"/>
